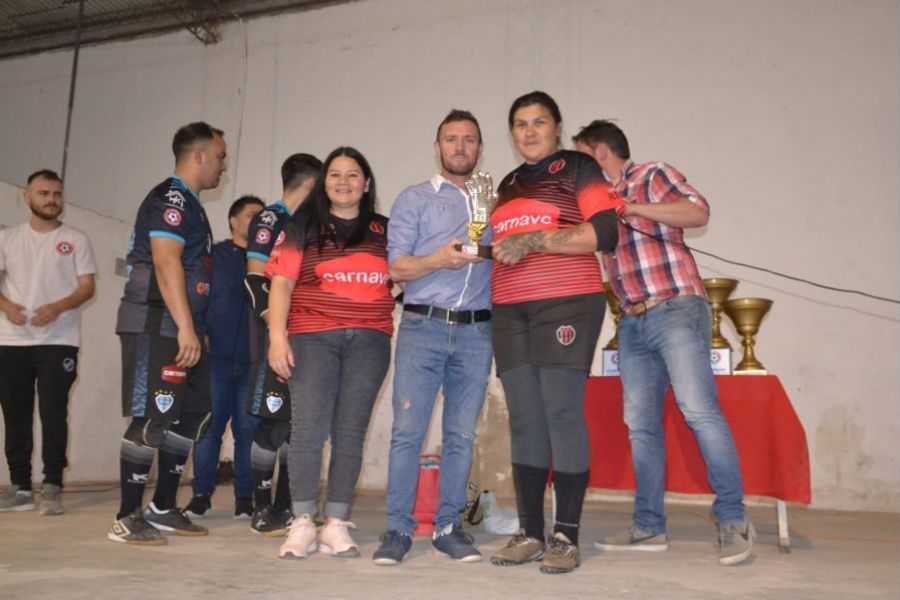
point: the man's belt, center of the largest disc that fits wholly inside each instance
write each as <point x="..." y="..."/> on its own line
<point x="454" y="317"/>
<point x="639" y="308"/>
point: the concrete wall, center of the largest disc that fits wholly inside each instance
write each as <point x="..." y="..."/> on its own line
<point x="784" y="113"/>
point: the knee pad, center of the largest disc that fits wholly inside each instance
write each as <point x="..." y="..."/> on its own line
<point x="147" y="432"/>
<point x="272" y="433"/>
<point x="192" y="425"/>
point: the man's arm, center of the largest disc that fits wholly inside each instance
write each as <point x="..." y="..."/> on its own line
<point x="14" y="312"/>
<point x="172" y="283"/>
<point x="409" y="267"/>
<point x="678" y="213"/>
<point x="46" y="314"/>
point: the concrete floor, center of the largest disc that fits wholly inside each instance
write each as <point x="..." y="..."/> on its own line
<point x="835" y="555"/>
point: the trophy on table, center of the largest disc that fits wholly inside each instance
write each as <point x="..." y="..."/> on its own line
<point x="747" y="314"/>
<point x="481" y="203"/>
<point x="718" y="289"/>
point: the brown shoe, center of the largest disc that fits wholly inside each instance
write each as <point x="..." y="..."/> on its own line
<point x="562" y="555"/>
<point x="520" y="549"/>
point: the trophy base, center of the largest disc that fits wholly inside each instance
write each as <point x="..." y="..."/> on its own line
<point x="479" y="250"/>
<point x="610" y="362"/>
<point x="719" y="360"/>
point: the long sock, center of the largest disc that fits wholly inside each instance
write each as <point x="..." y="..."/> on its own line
<point x="530" y="483"/>
<point x="173" y="454"/>
<point x="262" y="469"/>
<point x="570" y="488"/>
<point x="283" y="491"/>
<point x="134" y="467"/>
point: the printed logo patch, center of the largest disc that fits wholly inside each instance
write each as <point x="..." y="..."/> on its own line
<point x="565" y="334"/>
<point x="267" y="217"/>
<point x="556" y="166"/>
<point x="173" y="374"/>
<point x="263" y="236"/>
<point x="376" y="227"/>
<point x="359" y="277"/>
<point x="172" y="217"/>
<point x="65" y="248"/>
<point x="68" y="365"/>
<point x="175" y="198"/>
<point x="274" y="403"/>
<point x="137" y="478"/>
<point x="164" y="402"/>
<point x="202" y="288"/>
<point x="522" y="215"/>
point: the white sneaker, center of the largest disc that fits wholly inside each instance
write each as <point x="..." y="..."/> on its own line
<point x="301" y="539"/>
<point x="334" y="539"/>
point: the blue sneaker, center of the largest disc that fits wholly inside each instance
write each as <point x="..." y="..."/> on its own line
<point x="455" y="543"/>
<point x="394" y="548"/>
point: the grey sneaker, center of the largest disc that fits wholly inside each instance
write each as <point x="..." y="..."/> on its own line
<point x="16" y="500"/>
<point x="173" y="521"/>
<point x="519" y="550"/>
<point x="736" y="543"/>
<point x="133" y="529"/>
<point x="562" y="555"/>
<point x="634" y="539"/>
<point x="51" y="500"/>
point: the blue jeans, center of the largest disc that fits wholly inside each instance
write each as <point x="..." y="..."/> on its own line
<point x="671" y="343"/>
<point x="228" y="383"/>
<point x="429" y="354"/>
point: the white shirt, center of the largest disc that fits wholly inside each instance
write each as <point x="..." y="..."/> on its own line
<point x="41" y="268"/>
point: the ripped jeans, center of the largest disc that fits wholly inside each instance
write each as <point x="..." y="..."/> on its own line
<point x="431" y="354"/>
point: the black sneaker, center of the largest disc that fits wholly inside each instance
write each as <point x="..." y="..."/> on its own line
<point x="269" y="523"/>
<point x="198" y="506"/>
<point x="173" y="521"/>
<point x="456" y="543"/>
<point x="133" y="529"/>
<point x="394" y="548"/>
<point x="243" y="508"/>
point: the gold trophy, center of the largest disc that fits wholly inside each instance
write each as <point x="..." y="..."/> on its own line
<point x="718" y="289"/>
<point x="481" y="203"/>
<point x="747" y="314"/>
<point x="616" y="309"/>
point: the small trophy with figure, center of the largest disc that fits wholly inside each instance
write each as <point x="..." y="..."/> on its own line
<point x="481" y="202"/>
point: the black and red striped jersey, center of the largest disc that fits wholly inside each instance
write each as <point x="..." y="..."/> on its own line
<point x="563" y="190"/>
<point x="336" y="287"/>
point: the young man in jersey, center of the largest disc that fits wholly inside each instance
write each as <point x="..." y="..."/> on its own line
<point x="46" y="273"/>
<point x="444" y="340"/>
<point x="664" y="337"/>
<point x="269" y="397"/>
<point x="227" y="321"/>
<point x="165" y="366"/>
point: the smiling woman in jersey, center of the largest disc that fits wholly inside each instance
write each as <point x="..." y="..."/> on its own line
<point x="330" y="327"/>
<point x="553" y="212"/>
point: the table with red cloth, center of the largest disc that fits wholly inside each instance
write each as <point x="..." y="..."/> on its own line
<point x="770" y="442"/>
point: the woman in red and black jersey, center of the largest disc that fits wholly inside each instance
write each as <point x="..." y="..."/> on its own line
<point x="330" y="327"/>
<point x="553" y="212"/>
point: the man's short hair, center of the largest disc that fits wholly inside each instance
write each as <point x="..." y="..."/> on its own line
<point x="44" y="174"/>
<point x="238" y="205"/>
<point x="606" y="132"/>
<point x="297" y="169"/>
<point x="187" y="136"/>
<point x="458" y="115"/>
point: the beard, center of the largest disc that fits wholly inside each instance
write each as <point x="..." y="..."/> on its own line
<point x="462" y="167"/>
<point x="47" y="213"/>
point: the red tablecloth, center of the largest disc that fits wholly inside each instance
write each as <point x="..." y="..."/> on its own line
<point x="770" y="440"/>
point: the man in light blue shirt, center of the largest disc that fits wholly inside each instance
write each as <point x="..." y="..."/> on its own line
<point x="444" y="339"/>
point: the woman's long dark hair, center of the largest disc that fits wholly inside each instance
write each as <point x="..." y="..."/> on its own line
<point x="315" y="212"/>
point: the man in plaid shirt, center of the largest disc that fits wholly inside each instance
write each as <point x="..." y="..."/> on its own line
<point x="664" y="337"/>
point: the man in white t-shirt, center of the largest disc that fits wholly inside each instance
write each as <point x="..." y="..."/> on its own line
<point x="46" y="273"/>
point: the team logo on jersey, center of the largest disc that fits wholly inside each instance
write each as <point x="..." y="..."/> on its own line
<point x="274" y="402"/>
<point x="267" y="218"/>
<point x="359" y="277"/>
<point x="263" y="236"/>
<point x="175" y="198"/>
<point x="279" y="239"/>
<point x="172" y="216"/>
<point x="65" y="248"/>
<point x="376" y="227"/>
<point x="565" y="335"/>
<point x="522" y="215"/>
<point x="164" y="401"/>
<point x="68" y="365"/>
<point x="203" y="288"/>
<point x="173" y="374"/>
<point x="556" y="166"/>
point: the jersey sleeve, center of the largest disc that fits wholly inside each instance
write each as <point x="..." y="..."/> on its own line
<point x="167" y="218"/>
<point x="592" y="191"/>
<point x="261" y="235"/>
<point x="287" y="255"/>
<point x="85" y="264"/>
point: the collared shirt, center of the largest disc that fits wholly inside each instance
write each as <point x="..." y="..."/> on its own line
<point x="643" y="268"/>
<point x="423" y="218"/>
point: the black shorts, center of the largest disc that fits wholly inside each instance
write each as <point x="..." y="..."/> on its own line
<point x="557" y="332"/>
<point x="268" y="395"/>
<point x="153" y="387"/>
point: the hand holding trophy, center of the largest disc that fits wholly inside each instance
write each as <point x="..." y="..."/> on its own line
<point x="481" y="203"/>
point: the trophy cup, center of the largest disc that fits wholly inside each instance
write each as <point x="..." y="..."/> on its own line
<point x="717" y="290"/>
<point x="611" y="350"/>
<point x="481" y="202"/>
<point x="747" y="313"/>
